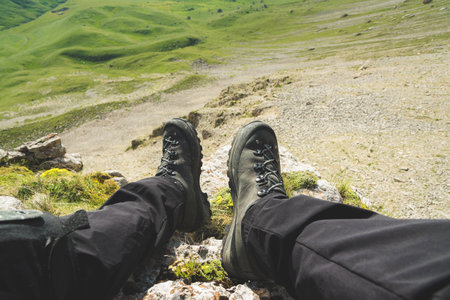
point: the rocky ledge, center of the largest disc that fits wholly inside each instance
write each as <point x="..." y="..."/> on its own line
<point x="155" y="278"/>
<point x="44" y="153"/>
<point x="158" y="277"/>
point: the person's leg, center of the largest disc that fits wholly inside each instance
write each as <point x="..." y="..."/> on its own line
<point x="136" y="220"/>
<point x="25" y="236"/>
<point x="320" y="249"/>
<point x="90" y="255"/>
<point x="324" y="250"/>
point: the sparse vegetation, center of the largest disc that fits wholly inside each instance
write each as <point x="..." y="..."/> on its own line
<point x="192" y="270"/>
<point x="294" y="181"/>
<point x="349" y="196"/>
<point x="12" y="137"/>
<point x="187" y="83"/>
<point x="222" y="213"/>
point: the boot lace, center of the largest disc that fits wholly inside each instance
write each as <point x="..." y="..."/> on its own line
<point x="268" y="174"/>
<point x="168" y="158"/>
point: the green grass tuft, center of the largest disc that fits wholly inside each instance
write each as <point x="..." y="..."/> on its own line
<point x="295" y="181"/>
<point x="193" y="271"/>
<point x="349" y="196"/>
<point x="57" y="191"/>
<point x="13" y="177"/>
<point x="222" y="213"/>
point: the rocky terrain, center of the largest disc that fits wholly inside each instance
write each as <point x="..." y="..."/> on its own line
<point x="155" y="279"/>
<point x="151" y="280"/>
<point x="381" y="125"/>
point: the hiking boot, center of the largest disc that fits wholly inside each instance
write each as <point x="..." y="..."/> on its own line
<point x="182" y="161"/>
<point x="253" y="172"/>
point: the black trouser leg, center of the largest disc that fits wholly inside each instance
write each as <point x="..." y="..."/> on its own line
<point x="24" y="256"/>
<point x="138" y="218"/>
<point x="325" y="250"/>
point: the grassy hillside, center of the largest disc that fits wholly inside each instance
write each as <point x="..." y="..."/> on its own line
<point x="97" y="49"/>
<point x="16" y="12"/>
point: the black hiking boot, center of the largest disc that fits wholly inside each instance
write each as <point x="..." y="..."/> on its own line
<point x="182" y="161"/>
<point x="253" y="172"/>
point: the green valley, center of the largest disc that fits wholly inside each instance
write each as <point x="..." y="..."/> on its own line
<point x="64" y="56"/>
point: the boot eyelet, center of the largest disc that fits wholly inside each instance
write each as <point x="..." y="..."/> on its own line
<point x="260" y="178"/>
<point x="258" y="166"/>
<point x="257" y="152"/>
<point x="262" y="193"/>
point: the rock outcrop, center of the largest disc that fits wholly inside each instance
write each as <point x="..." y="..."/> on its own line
<point x="44" y="153"/>
<point x="117" y="177"/>
<point x="153" y="275"/>
<point x="209" y="290"/>
<point x="68" y="161"/>
<point x="44" y="148"/>
<point x="154" y="280"/>
<point x="10" y="203"/>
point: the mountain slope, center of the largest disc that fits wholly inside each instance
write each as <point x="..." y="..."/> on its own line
<point x="16" y="12"/>
<point x="110" y="50"/>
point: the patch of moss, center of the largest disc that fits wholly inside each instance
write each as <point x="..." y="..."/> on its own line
<point x="15" y="170"/>
<point x="222" y="200"/>
<point x="193" y="271"/>
<point x="294" y="181"/>
<point x="55" y="172"/>
<point x="57" y="191"/>
<point x="93" y="188"/>
<point x="222" y="213"/>
<point x="12" y="178"/>
<point x="349" y="196"/>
